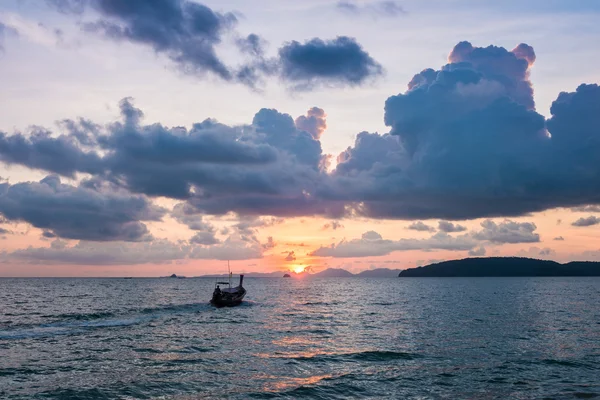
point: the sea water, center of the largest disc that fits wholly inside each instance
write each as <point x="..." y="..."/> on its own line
<point x="422" y="338"/>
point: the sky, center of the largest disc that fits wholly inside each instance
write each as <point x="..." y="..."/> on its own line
<point x="145" y="138"/>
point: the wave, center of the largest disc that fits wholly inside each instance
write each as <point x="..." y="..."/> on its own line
<point x="370" y="356"/>
<point x="320" y="303"/>
<point x="82" y="317"/>
<point x="331" y="387"/>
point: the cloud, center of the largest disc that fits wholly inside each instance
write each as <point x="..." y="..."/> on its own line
<point x="38" y="150"/>
<point x="507" y="232"/>
<point x="4" y="231"/>
<point x="270" y="244"/>
<point x="421" y="227"/>
<point x="372" y="244"/>
<point x="589" y="221"/>
<point x="185" y="31"/>
<point x="465" y="142"/>
<point x="314" y="122"/>
<point x="205" y="238"/>
<point x="189" y="33"/>
<point x="560" y="238"/>
<point x="77" y="212"/>
<point x="587" y="209"/>
<point x="478" y="252"/>
<point x="252" y="44"/>
<point x="496" y="63"/>
<point x="334" y="225"/>
<point x="3" y="29"/>
<point x="268" y="167"/>
<point x="337" y="62"/>
<point x="35" y="32"/>
<point x="290" y="256"/>
<point x="48" y="235"/>
<point x="108" y="253"/>
<point x="536" y="252"/>
<point x="187" y="215"/>
<point x="447" y="226"/>
<point x="157" y="251"/>
<point x="478" y="110"/>
<point x="375" y="9"/>
<point x="233" y="248"/>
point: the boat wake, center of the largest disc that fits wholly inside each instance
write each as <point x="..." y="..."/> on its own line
<point x="78" y="323"/>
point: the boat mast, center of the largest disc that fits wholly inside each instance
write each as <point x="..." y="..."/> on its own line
<point x="229" y="269"/>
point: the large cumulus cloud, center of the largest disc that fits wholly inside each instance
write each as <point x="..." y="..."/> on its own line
<point x="470" y="144"/>
<point x="79" y="212"/>
<point x="268" y="167"/>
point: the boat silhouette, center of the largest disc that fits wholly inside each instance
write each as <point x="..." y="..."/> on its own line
<point x="228" y="296"/>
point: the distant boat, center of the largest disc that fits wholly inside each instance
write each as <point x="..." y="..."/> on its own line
<point x="229" y="296"/>
<point x="287" y="276"/>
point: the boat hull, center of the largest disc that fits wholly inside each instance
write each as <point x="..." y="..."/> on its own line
<point x="225" y="299"/>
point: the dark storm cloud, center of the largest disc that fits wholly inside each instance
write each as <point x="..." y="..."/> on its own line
<point x="447" y="226"/>
<point x="186" y="31"/>
<point x="589" y="221"/>
<point x="77" y="212"/>
<point x="421" y="227"/>
<point x="376" y="9"/>
<point x="337" y="62"/>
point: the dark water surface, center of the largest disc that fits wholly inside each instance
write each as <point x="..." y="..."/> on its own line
<point x="425" y="338"/>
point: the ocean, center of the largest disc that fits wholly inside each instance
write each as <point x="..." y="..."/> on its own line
<point x="405" y="338"/>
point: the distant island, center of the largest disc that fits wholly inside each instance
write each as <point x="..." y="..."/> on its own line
<point x="503" y="266"/>
<point x="328" y="273"/>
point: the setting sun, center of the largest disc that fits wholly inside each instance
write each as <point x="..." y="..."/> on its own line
<point x="298" y="268"/>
